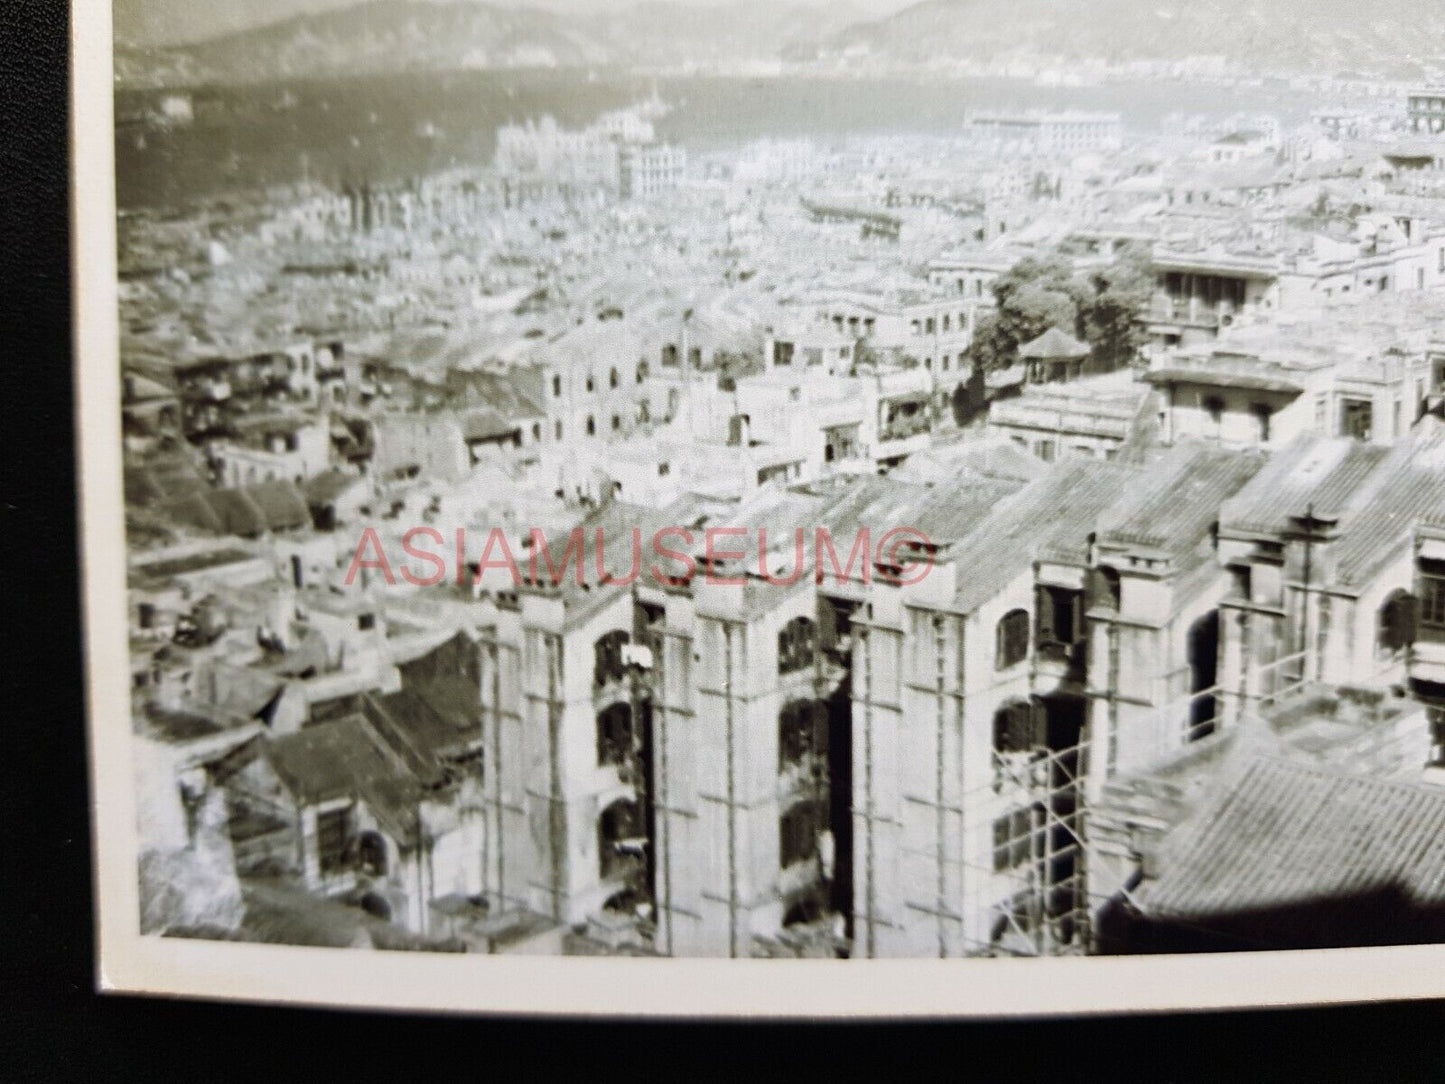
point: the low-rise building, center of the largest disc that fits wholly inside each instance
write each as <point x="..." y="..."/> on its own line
<point x="1094" y="417"/>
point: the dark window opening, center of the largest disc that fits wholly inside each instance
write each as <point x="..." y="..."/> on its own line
<point x="1060" y="617"/>
<point x="333" y="840"/>
<point x="371" y="853"/>
<point x="1105" y="588"/>
<point x="1202" y="648"/>
<point x="798" y="830"/>
<point x="620" y="846"/>
<point x="802" y="732"/>
<point x="614" y="735"/>
<point x="797" y="645"/>
<point x="1432" y="595"/>
<point x="607" y="658"/>
<point x="1013" y="639"/>
<point x="1398" y="618"/>
<point x="1356" y="418"/>
<point x="1018" y="727"/>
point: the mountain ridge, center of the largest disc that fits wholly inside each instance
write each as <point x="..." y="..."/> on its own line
<point x="383" y="36"/>
<point x="407" y="35"/>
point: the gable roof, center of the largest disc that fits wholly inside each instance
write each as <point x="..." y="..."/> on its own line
<point x="1052" y="516"/>
<point x="346" y="759"/>
<point x="249" y="511"/>
<point x="1288" y="834"/>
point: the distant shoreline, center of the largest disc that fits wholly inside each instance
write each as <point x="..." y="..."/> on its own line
<point x="396" y="126"/>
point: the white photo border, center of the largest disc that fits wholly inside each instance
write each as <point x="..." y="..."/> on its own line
<point x="129" y="962"/>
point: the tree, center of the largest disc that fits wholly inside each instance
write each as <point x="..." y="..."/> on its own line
<point x="1119" y="294"/>
<point x="1038" y="293"/>
<point x="1030" y="297"/>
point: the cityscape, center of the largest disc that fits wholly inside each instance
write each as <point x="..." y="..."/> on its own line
<point x="814" y="499"/>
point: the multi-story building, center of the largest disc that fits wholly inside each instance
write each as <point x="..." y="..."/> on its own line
<point x="1425" y="109"/>
<point x="909" y="327"/>
<point x="1095" y="417"/>
<point x="1266" y="389"/>
<point x="1334" y="558"/>
<point x="277" y="448"/>
<point x="1201" y="294"/>
<point x="1049" y="133"/>
<point x="859" y="765"/>
<point x="649" y="168"/>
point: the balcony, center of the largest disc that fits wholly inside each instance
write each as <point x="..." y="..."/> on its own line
<point x="1187" y="313"/>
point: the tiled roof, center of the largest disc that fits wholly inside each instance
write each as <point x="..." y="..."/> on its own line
<point x="1326" y="472"/>
<point x="1411" y="491"/>
<point x="1175" y="501"/>
<point x="345" y="759"/>
<point x="1054" y="343"/>
<point x="1052" y="516"/>
<point x="1378" y="495"/>
<point x="251" y="511"/>
<point x="162" y="479"/>
<point x="1287" y="834"/>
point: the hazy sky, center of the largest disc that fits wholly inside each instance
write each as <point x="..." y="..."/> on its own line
<point x="157" y="22"/>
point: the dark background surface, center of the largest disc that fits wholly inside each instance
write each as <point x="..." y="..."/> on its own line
<point x="52" y="1025"/>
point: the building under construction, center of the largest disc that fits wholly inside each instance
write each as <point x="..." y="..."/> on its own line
<point x="734" y="765"/>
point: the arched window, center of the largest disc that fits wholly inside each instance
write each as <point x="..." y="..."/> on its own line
<point x="614" y="735"/>
<point x="612" y="378"/>
<point x="618" y="828"/>
<point x="1017" y="727"/>
<point x="798" y="830"/>
<point x="1013" y="639"/>
<point x="800" y="732"/>
<point x="371" y="852"/>
<point x="797" y="645"/>
<point x="1397" y="619"/>
<point x="591" y="426"/>
<point x="642" y="371"/>
<point x="607" y="662"/>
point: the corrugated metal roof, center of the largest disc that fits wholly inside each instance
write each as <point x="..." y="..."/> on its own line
<point x="1288" y="834"/>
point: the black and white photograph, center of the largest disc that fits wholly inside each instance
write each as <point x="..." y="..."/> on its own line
<point x="766" y="496"/>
